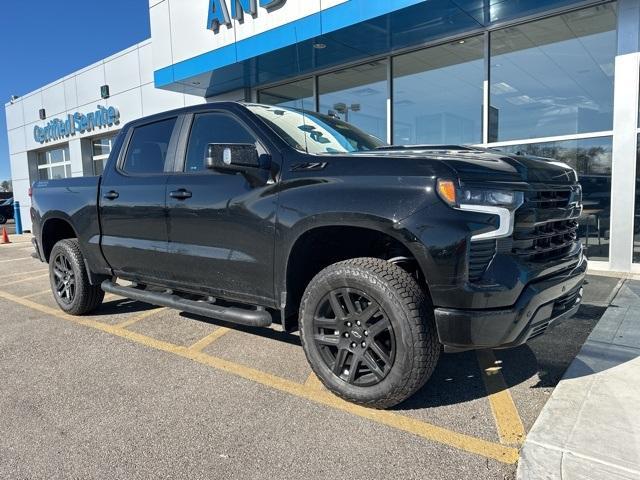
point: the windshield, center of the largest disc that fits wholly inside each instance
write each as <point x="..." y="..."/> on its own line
<point x="314" y="132"/>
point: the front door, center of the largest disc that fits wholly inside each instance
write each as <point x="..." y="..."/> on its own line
<point x="221" y="228"/>
<point x="133" y="202"/>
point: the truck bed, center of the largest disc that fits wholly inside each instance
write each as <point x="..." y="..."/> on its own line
<point x="76" y="200"/>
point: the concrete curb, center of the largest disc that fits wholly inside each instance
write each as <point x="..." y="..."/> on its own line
<point x="590" y="427"/>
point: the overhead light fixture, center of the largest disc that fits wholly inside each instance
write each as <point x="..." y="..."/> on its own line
<point x="319" y="46"/>
<point x="42" y="113"/>
<point x="195" y="83"/>
<point x="461" y="42"/>
<point x="104" y="91"/>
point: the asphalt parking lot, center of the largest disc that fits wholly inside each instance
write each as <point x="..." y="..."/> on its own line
<point x="136" y="391"/>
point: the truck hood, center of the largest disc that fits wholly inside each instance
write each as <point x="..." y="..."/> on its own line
<point x="480" y="164"/>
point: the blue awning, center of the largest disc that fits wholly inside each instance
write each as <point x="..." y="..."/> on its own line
<point x="350" y="32"/>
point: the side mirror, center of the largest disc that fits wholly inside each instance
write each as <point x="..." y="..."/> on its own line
<point x="235" y="157"/>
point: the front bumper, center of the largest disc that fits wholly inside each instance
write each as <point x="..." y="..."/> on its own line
<point x="540" y="304"/>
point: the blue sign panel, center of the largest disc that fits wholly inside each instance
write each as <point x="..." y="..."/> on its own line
<point x="78" y="122"/>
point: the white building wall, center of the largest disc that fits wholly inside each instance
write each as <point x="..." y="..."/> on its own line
<point x="128" y="73"/>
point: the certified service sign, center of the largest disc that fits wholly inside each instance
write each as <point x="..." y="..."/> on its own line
<point x="78" y="122"/>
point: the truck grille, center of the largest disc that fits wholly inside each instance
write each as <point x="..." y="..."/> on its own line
<point x="548" y="198"/>
<point x="480" y="255"/>
<point x="545" y="225"/>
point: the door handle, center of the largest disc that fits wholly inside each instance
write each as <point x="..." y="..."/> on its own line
<point x="112" y="195"/>
<point x="180" y="194"/>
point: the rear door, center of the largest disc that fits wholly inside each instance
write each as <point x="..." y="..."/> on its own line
<point x="221" y="227"/>
<point x="133" y="201"/>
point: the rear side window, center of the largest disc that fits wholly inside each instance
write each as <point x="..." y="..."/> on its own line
<point x="213" y="128"/>
<point x="148" y="147"/>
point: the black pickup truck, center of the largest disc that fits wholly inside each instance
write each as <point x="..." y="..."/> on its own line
<point x="380" y="255"/>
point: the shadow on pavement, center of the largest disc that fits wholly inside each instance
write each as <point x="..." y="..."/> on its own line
<point x="556" y="349"/>
<point x="458" y="377"/>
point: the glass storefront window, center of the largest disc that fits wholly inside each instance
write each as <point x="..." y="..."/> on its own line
<point x="293" y="95"/>
<point x="101" y="148"/>
<point x="437" y="94"/>
<point x="54" y="164"/>
<point x="554" y="76"/>
<point x="591" y="158"/>
<point x="357" y="95"/>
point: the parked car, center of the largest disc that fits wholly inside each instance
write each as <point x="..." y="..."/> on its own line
<point x="6" y="210"/>
<point x="380" y="255"/>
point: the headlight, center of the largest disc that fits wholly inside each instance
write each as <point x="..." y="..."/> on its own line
<point x="496" y="202"/>
<point x="456" y="196"/>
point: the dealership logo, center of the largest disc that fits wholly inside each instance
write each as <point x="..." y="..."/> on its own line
<point x="223" y="12"/>
<point x="78" y="122"/>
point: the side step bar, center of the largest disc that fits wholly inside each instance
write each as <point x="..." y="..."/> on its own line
<point x="253" y="318"/>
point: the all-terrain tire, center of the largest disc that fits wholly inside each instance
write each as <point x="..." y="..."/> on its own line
<point x="85" y="297"/>
<point x="407" y="308"/>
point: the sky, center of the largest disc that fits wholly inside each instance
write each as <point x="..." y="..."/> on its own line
<point x="42" y="41"/>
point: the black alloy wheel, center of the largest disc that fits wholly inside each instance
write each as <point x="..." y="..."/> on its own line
<point x="368" y="332"/>
<point x="355" y="337"/>
<point x="69" y="279"/>
<point x="64" y="279"/>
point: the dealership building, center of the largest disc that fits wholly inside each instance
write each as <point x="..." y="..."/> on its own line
<point x="552" y="78"/>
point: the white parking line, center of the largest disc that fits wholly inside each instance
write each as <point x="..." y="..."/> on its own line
<point x="18" y="274"/>
<point x="16" y="259"/>
<point x="23" y="280"/>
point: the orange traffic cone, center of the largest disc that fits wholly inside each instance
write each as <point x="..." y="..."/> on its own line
<point x="5" y="237"/>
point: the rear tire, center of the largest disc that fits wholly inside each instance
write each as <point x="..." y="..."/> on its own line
<point x="368" y="332"/>
<point x="69" y="281"/>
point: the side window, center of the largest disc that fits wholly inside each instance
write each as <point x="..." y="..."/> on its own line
<point x="148" y="147"/>
<point x="213" y="128"/>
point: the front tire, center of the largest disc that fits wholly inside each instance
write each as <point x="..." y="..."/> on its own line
<point x="69" y="280"/>
<point x="368" y="332"/>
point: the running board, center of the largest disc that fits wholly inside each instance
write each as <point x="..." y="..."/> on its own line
<point x="253" y="318"/>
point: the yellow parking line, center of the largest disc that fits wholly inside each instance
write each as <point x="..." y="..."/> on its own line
<point x="22" y="280"/>
<point x="41" y="292"/>
<point x="508" y="422"/>
<point x="313" y="382"/>
<point x="48" y="290"/>
<point x="139" y="317"/>
<point x="419" y="428"/>
<point x="209" y="339"/>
